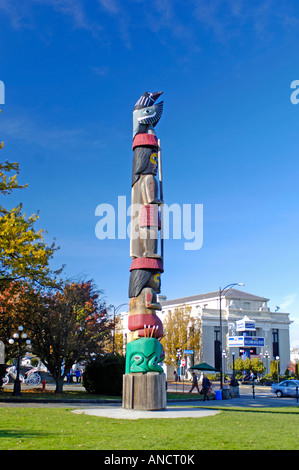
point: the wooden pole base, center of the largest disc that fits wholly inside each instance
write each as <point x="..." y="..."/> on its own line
<point x="144" y="391"/>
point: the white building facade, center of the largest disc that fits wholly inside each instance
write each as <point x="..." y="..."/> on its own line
<point x="235" y="305"/>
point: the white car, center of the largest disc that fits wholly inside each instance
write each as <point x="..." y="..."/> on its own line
<point x="286" y="388"/>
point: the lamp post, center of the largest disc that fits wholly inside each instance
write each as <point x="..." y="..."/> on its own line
<point x="115" y="309"/>
<point x="267" y="355"/>
<point x="224" y="356"/>
<point x="18" y="337"/>
<point x="226" y="288"/>
<point x="233" y="355"/>
<point x="277" y="359"/>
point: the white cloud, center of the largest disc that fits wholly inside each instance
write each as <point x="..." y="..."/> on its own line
<point x="122" y="16"/>
<point x="21" y="13"/>
<point x="101" y="71"/>
<point x="288" y="300"/>
<point x="228" y="19"/>
<point x="31" y="131"/>
<point x="111" y="6"/>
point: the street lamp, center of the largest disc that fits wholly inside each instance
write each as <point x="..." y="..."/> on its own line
<point x="224" y="356"/>
<point x="226" y="288"/>
<point x="18" y="337"/>
<point x="115" y="309"/>
<point x="277" y="359"/>
<point x="233" y="355"/>
<point x="267" y="355"/>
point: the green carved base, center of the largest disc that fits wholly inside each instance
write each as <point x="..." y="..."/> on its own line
<point x="143" y="355"/>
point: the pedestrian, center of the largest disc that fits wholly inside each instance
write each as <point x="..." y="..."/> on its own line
<point x="205" y="387"/>
<point x="194" y="383"/>
<point x="78" y="375"/>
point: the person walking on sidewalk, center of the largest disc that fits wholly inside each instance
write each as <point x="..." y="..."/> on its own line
<point x="205" y="387"/>
<point x="194" y="383"/>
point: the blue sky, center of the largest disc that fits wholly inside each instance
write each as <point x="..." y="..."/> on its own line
<point x="73" y="70"/>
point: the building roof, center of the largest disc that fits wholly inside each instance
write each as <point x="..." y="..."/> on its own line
<point x="231" y="294"/>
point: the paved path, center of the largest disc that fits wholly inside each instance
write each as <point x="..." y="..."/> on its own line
<point x="170" y="412"/>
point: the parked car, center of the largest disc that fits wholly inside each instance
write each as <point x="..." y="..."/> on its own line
<point x="286" y="388"/>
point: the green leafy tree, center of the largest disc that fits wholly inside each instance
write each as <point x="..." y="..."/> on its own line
<point x="239" y="364"/>
<point x="257" y="366"/>
<point x="274" y="365"/>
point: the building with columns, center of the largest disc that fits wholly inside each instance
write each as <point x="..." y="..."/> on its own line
<point x="235" y="305"/>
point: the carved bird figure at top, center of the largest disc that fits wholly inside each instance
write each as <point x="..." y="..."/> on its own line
<point x="146" y="114"/>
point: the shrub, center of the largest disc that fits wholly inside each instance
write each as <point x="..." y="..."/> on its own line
<point x="266" y="380"/>
<point x="104" y="375"/>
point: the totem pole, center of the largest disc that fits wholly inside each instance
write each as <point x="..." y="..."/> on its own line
<point x="144" y="350"/>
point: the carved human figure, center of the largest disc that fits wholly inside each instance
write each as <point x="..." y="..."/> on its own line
<point x="143" y="320"/>
<point x="145" y="220"/>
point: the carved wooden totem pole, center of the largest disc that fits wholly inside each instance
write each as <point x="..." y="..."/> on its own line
<point x="144" y="381"/>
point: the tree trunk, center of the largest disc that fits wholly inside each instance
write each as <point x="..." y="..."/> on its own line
<point x="59" y="384"/>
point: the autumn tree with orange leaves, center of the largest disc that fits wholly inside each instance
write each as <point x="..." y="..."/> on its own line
<point x="65" y="327"/>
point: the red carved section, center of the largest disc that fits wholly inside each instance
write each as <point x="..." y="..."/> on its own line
<point x="147" y="263"/>
<point x="149" y="216"/>
<point x="145" y="139"/>
<point x="151" y="323"/>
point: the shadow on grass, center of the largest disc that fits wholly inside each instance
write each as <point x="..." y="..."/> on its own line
<point x="18" y="434"/>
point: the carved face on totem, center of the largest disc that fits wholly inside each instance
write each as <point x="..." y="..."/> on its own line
<point x="155" y="282"/>
<point x="145" y="162"/>
<point x="141" y="278"/>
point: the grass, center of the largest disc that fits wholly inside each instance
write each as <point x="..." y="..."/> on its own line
<point x="233" y="428"/>
<point x="37" y="393"/>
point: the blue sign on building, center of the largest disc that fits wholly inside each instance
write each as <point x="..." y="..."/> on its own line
<point x="246" y="341"/>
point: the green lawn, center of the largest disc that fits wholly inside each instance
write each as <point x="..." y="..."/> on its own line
<point x="233" y="428"/>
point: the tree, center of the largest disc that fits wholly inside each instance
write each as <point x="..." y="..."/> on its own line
<point x="115" y="342"/>
<point x="274" y="369"/>
<point x="23" y="251"/>
<point x="11" y="299"/>
<point x="182" y="331"/>
<point x="257" y="366"/>
<point x="66" y="327"/>
<point x="239" y="364"/>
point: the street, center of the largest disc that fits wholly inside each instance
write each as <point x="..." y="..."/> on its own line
<point x="262" y="396"/>
<point x="245" y="390"/>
